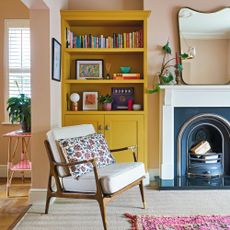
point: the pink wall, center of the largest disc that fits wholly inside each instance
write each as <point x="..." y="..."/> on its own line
<point x="163" y="26"/>
<point x="106" y="5"/>
<point x="7" y="12"/>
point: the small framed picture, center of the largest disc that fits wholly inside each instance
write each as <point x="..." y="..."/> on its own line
<point x="89" y="69"/>
<point x="56" y="60"/>
<point x="90" y="100"/>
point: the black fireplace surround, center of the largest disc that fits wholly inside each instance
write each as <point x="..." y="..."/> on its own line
<point x="191" y="126"/>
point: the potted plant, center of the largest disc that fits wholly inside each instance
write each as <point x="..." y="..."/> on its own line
<point x="19" y="109"/>
<point x="106" y="101"/>
<point x="168" y="69"/>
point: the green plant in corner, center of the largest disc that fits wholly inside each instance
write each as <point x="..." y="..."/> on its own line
<point x="166" y="75"/>
<point x="19" y="109"/>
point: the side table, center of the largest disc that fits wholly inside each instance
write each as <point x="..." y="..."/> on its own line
<point x="13" y="164"/>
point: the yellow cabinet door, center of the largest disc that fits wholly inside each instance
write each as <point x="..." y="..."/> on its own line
<point x="96" y="120"/>
<point x="122" y="131"/>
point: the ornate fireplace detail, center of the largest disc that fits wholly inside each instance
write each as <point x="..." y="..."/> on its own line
<point x="203" y="146"/>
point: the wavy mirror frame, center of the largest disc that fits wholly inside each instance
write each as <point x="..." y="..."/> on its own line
<point x="210" y="40"/>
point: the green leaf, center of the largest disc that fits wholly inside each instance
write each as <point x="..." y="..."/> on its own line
<point x="179" y="67"/>
<point x="166" y="48"/>
<point x="184" y="56"/>
<point x="155" y="89"/>
<point x="168" y="78"/>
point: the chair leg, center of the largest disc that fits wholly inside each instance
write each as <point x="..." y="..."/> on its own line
<point x="48" y="196"/>
<point x="142" y="194"/>
<point x="103" y="212"/>
<point x="47" y="204"/>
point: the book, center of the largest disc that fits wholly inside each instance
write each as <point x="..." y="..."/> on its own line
<point x="211" y="159"/>
<point x="201" y="148"/>
<point x="126" y="76"/>
<point x="121" y="96"/>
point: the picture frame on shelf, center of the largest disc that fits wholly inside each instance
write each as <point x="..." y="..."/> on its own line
<point x="89" y="69"/>
<point x="56" y="60"/>
<point x="90" y="101"/>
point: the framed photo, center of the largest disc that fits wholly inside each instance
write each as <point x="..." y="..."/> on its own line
<point x="90" y="100"/>
<point x="89" y="69"/>
<point x="56" y="60"/>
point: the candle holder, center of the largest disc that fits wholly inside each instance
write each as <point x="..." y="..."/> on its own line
<point x="107" y="68"/>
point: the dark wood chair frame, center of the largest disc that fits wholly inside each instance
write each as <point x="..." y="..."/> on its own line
<point x="99" y="196"/>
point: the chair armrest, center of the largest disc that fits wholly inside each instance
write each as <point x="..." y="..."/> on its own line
<point x="132" y="148"/>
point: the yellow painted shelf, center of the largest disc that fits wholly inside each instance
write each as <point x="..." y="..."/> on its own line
<point x="120" y="127"/>
<point x="113" y="112"/>
<point x="104" y="50"/>
<point x="141" y="81"/>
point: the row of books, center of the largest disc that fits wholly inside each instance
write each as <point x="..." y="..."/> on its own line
<point x="126" y="76"/>
<point x="117" y="40"/>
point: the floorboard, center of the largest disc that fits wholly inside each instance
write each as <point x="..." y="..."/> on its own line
<point x="14" y="207"/>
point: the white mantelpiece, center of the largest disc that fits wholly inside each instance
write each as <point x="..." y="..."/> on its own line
<point x="184" y="96"/>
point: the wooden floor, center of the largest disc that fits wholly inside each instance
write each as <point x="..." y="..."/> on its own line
<point x="12" y="208"/>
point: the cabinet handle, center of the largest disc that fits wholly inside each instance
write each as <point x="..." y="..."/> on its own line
<point x="100" y="128"/>
<point x="107" y="127"/>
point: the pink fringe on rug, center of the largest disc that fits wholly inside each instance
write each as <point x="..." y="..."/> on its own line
<point x="198" y="222"/>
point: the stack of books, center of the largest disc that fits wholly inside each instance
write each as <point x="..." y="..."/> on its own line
<point x="126" y="76"/>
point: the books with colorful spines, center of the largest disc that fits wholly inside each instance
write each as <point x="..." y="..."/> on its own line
<point x="126" y="76"/>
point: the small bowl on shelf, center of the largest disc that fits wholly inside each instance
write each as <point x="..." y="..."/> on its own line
<point x="125" y="69"/>
<point x="136" y="107"/>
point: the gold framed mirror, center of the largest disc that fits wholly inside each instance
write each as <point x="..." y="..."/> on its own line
<point x="205" y="37"/>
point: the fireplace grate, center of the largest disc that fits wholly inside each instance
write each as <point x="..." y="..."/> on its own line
<point x="209" y="164"/>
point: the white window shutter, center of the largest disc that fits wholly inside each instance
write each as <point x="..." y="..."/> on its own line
<point x="19" y="60"/>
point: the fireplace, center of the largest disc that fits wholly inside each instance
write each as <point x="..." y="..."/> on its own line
<point x="191" y="115"/>
<point x="203" y="146"/>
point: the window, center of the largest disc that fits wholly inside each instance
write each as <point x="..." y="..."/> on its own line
<point x="18" y="57"/>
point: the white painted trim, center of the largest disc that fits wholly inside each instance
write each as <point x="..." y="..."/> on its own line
<point x="173" y="96"/>
<point x="153" y="173"/>
<point x="3" y="172"/>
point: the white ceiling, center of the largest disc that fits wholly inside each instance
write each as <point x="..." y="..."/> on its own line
<point x="194" y="24"/>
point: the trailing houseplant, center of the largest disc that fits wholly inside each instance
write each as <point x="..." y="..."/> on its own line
<point x="170" y="67"/>
<point x="19" y="109"/>
<point x="106" y="101"/>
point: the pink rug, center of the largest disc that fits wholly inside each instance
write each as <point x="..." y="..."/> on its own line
<point x="150" y="222"/>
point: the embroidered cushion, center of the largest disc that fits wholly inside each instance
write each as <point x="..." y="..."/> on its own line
<point x="86" y="148"/>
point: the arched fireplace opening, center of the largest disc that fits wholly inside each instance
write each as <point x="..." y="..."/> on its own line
<point x="203" y="146"/>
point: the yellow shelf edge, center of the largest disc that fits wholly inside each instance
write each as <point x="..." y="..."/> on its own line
<point x="103" y="50"/>
<point x="97" y="112"/>
<point x="103" y="81"/>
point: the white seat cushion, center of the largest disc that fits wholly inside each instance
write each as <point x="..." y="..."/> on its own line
<point x="112" y="177"/>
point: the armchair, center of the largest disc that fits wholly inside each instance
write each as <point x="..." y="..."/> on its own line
<point x="102" y="184"/>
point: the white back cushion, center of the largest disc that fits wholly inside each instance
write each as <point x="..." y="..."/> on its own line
<point x="66" y="132"/>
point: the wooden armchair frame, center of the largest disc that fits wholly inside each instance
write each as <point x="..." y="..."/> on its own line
<point x="99" y="196"/>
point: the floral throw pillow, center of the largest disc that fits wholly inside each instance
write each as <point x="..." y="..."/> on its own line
<point x="86" y="148"/>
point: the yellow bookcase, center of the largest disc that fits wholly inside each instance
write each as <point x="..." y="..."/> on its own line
<point x="120" y="127"/>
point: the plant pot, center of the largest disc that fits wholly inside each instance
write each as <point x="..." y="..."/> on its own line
<point x="107" y="106"/>
<point x="26" y="128"/>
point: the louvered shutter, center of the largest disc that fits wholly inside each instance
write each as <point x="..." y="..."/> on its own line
<point x="19" y="60"/>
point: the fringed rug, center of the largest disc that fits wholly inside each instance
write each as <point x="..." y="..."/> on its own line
<point x="150" y="222"/>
